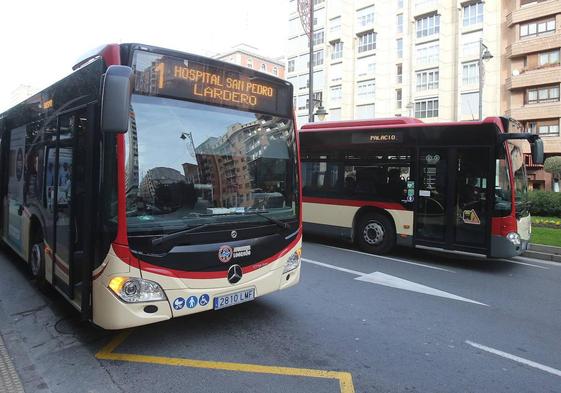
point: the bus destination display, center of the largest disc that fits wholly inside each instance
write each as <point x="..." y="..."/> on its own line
<point x="192" y="80"/>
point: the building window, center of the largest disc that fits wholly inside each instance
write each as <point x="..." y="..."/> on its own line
<point x="291" y="65"/>
<point x="303" y="82"/>
<point x="426" y="108"/>
<point x="336" y="72"/>
<point x="366" y="90"/>
<point x="336" y="50"/>
<point x="427" y="80"/>
<point x="366" y="42"/>
<point x="335" y="94"/>
<point x="364" y="111"/>
<point x="316" y="2"/>
<point x="399" y="47"/>
<point x="399" y="23"/>
<point x="470" y="105"/>
<point x="365" y="18"/>
<point x="275" y="71"/>
<point x="427" y="53"/>
<point x="294" y="81"/>
<point x="263" y="67"/>
<point x="548" y="58"/>
<point x="470" y="44"/>
<point x="427" y="26"/>
<point x="542" y="94"/>
<point x="249" y="63"/>
<point x="335" y="25"/>
<point x="473" y="14"/>
<point x="399" y="73"/>
<point x="398" y="98"/>
<point x="318" y="37"/>
<point x="549" y="128"/>
<point x="318" y="80"/>
<point x="317" y="58"/>
<point x="366" y="67"/>
<point x="470" y="74"/>
<point x="335" y="114"/>
<point x="536" y="28"/>
<point x="399" y="4"/>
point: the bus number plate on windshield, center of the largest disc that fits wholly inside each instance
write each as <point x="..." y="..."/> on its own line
<point x="234" y="298"/>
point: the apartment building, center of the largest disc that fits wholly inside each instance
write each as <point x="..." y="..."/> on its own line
<point x="532" y="74"/>
<point x="248" y="56"/>
<point x="397" y="58"/>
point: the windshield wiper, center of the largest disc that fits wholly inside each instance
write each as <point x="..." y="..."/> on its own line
<point x="259" y="213"/>
<point x="176" y="235"/>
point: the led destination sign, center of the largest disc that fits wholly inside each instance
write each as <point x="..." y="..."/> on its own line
<point x="381" y="137"/>
<point x="197" y="81"/>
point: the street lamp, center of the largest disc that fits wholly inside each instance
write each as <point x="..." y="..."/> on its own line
<point x="320" y="112"/>
<point x="484" y="55"/>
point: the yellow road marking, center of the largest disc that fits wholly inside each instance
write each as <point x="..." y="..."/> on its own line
<point x="107" y="353"/>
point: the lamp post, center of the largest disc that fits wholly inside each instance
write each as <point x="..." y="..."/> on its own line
<point x="320" y="112"/>
<point x="484" y="55"/>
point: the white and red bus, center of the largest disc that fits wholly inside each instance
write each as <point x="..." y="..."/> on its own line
<point x="151" y="184"/>
<point x="454" y="186"/>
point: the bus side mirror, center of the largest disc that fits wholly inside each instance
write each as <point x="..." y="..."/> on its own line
<point x="116" y="99"/>
<point x="537" y="151"/>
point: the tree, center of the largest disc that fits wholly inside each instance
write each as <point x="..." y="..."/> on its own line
<point x="553" y="165"/>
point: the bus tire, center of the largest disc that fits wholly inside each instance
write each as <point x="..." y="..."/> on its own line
<point x="37" y="261"/>
<point x="375" y="233"/>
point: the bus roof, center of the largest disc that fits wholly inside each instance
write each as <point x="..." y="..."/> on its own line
<point x="397" y="122"/>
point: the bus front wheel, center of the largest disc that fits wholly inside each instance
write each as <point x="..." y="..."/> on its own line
<point x="37" y="262"/>
<point x="375" y="233"/>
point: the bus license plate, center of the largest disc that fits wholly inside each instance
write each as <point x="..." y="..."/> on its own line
<point x="234" y="298"/>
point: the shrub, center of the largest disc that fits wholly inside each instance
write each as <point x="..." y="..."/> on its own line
<point x="545" y="203"/>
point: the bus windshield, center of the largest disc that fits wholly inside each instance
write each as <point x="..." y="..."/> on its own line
<point x="191" y="164"/>
<point x="520" y="180"/>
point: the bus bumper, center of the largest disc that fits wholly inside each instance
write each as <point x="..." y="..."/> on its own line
<point x="116" y="314"/>
<point x="501" y="247"/>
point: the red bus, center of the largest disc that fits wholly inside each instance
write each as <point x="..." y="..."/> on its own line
<point x="454" y="186"/>
<point x="151" y="184"/>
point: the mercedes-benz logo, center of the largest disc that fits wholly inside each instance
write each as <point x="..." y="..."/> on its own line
<point x="234" y="274"/>
<point x="234" y="234"/>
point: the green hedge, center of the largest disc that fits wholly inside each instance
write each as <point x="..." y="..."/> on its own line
<point x="545" y="203"/>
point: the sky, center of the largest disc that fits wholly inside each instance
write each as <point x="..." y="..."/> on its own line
<point x="40" y="41"/>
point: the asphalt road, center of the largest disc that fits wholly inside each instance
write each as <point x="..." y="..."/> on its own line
<point x="415" y="321"/>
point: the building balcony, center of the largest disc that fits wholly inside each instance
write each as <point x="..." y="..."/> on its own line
<point x="536" y="77"/>
<point x="535" y="44"/>
<point x="550" y="110"/>
<point x="534" y="11"/>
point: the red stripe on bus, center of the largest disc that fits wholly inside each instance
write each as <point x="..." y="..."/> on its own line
<point x="123" y="252"/>
<point x="502" y="226"/>
<point x="355" y="203"/>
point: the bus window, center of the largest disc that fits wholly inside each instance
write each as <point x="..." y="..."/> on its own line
<point x="503" y="198"/>
<point x="520" y="180"/>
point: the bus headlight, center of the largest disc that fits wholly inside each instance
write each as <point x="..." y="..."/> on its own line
<point x="514" y="238"/>
<point x="135" y="290"/>
<point x="293" y="261"/>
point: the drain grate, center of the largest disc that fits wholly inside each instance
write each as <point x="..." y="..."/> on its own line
<point x="9" y="379"/>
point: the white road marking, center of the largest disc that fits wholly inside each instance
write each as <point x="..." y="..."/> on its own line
<point x="391" y="259"/>
<point x="538" y="261"/>
<point x="341" y="269"/>
<point x="394" y="282"/>
<point x="515" y="358"/>
<point x="399" y="283"/>
<point x="524" y="263"/>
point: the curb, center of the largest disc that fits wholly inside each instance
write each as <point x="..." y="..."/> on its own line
<point x="545" y="253"/>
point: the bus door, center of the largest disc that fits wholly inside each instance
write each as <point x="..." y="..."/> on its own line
<point x="62" y="162"/>
<point x="452" y="209"/>
<point x="13" y="201"/>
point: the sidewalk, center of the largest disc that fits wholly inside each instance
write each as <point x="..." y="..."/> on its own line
<point x="546" y="253"/>
<point x="9" y="378"/>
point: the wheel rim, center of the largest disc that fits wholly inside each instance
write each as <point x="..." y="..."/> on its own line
<point x="373" y="233"/>
<point x="35" y="260"/>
